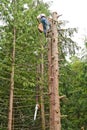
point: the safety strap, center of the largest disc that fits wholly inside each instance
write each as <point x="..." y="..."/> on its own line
<point x="36" y="109"/>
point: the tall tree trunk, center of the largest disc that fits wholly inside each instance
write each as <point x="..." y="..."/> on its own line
<point x="12" y="85"/>
<point x="50" y="82"/>
<point x="41" y="91"/>
<point x="55" y="123"/>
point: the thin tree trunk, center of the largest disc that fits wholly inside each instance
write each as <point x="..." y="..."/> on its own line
<point x="12" y="85"/>
<point x="41" y="91"/>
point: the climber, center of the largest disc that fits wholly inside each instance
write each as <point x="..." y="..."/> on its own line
<point x="44" y="25"/>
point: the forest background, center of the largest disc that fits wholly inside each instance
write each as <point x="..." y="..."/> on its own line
<point x="29" y="47"/>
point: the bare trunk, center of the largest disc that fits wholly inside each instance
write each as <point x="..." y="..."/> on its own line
<point x="55" y="123"/>
<point x="41" y="92"/>
<point x="11" y="86"/>
<point x="50" y="82"/>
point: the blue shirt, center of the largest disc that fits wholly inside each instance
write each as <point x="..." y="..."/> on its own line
<point x="45" y="23"/>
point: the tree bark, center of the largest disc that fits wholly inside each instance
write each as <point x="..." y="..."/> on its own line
<point x="50" y="82"/>
<point x="12" y="85"/>
<point x="55" y="123"/>
<point x="41" y="91"/>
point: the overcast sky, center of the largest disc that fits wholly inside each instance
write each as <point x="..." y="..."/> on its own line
<point x="74" y="11"/>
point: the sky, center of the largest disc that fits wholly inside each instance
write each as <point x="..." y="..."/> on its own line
<point x="74" y="11"/>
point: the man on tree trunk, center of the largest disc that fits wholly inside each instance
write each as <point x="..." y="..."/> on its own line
<point x="44" y="25"/>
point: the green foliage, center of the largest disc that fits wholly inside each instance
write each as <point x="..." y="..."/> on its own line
<point x="14" y="14"/>
<point x="74" y="86"/>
